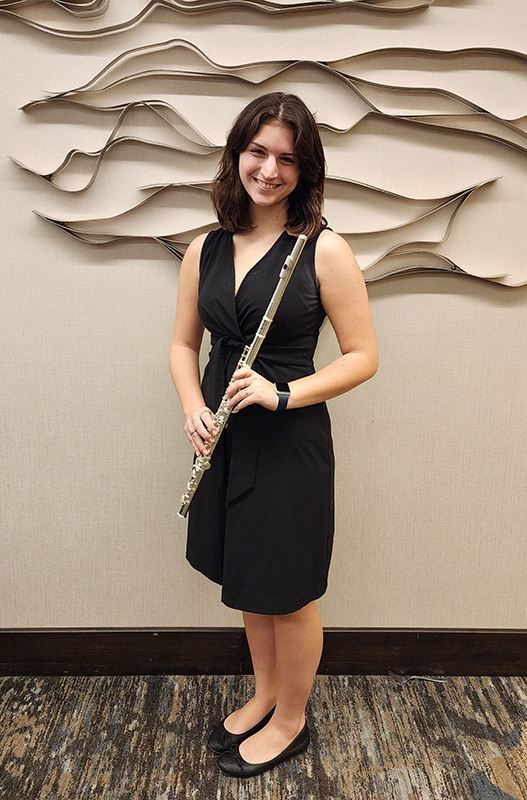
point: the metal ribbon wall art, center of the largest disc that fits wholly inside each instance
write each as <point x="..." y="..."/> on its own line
<point x="79" y="8"/>
<point x="192" y="7"/>
<point x="365" y="105"/>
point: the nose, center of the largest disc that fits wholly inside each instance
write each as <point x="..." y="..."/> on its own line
<point x="269" y="168"/>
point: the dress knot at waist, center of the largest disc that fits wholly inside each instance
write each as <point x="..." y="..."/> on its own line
<point x="228" y="341"/>
<point x="219" y="357"/>
<point x="246" y="436"/>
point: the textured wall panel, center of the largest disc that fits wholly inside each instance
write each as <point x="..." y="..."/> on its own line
<point x="422" y="113"/>
<point x="196" y="7"/>
<point x="181" y="86"/>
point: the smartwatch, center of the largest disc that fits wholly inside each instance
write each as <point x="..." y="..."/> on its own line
<point x="283" y="392"/>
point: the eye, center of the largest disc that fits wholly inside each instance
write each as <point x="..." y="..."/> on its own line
<point x="257" y="151"/>
<point x="288" y="160"/>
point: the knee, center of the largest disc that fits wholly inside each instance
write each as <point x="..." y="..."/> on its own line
<point x="300" y="612"/>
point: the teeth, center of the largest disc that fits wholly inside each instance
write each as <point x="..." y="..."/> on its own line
<point x="266" y="185"/>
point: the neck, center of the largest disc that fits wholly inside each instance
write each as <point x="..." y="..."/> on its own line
<point x="267" y="220"/>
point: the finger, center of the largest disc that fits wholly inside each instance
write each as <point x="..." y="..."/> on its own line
<point x="241" y="399"/>
<point x="244" y="402"/>
<point x="244" y="373"/>
<point x="212" y="428"/>
<point x="201" y="430"/>
<point x="202" y="417"/>
<point x="240" y="391"/>
<point x="199" y="435"/>
<point x="201" y="447"/>
<point x="234" y="400"/>
<point x="190" y="437"/>
<point x="235" y="387"/>
<point x="207" y="417"/>
<point x="197" y="423"/>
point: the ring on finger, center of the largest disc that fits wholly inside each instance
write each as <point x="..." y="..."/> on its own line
<point x="192" y="433"/>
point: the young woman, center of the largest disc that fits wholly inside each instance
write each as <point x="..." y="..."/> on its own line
<point x="261" y="522"/>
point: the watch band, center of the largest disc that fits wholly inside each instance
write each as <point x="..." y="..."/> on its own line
<point x="283" y="392"/>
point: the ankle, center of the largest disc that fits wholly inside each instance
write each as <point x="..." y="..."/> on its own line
<point x="265" y="698"/>
<point x="245" y="717"/>
<point x="289" y="725"/>
<point x="262" y="705"/>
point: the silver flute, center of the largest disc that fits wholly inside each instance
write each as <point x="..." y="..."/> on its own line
<point x="250" y="352"/>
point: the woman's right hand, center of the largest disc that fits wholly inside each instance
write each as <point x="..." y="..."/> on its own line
<point x="201" y="429"/>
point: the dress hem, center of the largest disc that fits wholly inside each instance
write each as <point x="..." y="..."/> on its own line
<point x="297" y="606"/>
<point x="256" y="608"/>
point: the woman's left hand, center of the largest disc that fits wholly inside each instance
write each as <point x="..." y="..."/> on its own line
<point x="248" y="387"/>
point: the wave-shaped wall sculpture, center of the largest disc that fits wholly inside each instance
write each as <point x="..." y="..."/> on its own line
<point x="193" y="7"/>
<point x="356" y="115"/>
<point x="186" y="140"/>
<point x="378" y="246"/>
<point x="80" y="8"/>
<point x="417" y="102"/>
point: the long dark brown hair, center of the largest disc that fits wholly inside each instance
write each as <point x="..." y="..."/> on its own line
<point x="231" y="201"/>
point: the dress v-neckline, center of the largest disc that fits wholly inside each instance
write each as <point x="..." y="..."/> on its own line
<point x="236" y="292"/>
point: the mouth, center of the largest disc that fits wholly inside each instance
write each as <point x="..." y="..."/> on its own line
<point x="265" y="185"/>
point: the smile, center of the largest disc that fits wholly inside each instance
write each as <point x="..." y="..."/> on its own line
<point x="265" y="185"/>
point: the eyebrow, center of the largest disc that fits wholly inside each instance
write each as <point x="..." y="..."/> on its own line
<point x="261" y="146"/>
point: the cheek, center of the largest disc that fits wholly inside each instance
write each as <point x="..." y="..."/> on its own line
<point x="246" y="164"/>
<point x="245" y="179"/>
<point x="294" y="179"/>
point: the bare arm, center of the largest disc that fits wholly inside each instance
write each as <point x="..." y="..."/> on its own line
<point x="345" y="300"/>
<point x="184" y="351"/>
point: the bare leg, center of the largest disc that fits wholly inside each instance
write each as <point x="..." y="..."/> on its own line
<point x="261" y="637"/>
<point x="299" y="642"/>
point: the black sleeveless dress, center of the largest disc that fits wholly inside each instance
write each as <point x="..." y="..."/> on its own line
<point x="261" y="522"/>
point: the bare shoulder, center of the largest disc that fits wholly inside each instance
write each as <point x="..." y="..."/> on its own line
<point x="194" y="249"/>
<point x="329" y="241"/>
<point x="334" y="257"/>
<point x="189" y="270"/>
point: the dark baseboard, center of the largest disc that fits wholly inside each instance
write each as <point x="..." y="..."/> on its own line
<point x="224" y="651"/>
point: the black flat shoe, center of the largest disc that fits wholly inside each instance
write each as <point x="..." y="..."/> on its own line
<point x="220" y="739"/>
<point x="232" y="763"/>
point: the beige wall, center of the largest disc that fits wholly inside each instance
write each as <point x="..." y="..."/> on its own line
<point x="430" y="453"/>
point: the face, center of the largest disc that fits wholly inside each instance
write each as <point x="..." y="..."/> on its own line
<point x="267" y="167"/>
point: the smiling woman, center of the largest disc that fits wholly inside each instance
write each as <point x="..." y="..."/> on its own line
<point x="267" y="168"/>
<point x="282" y="127"/>
<point x="261" y="524"/>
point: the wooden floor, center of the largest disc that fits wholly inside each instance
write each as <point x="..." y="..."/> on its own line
<point x="372" y="737"/>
